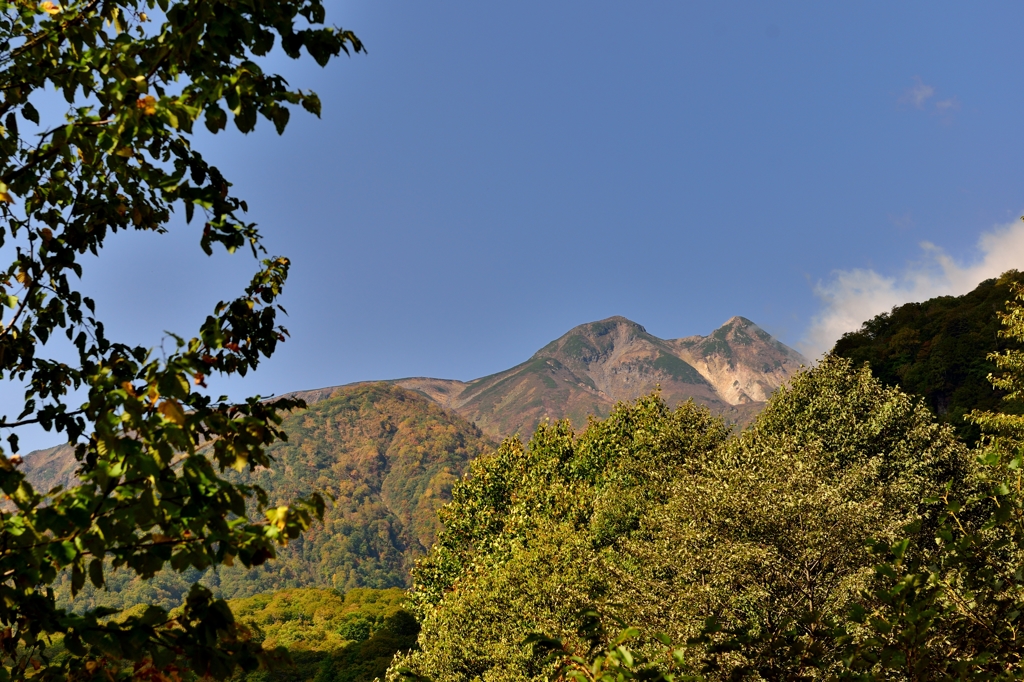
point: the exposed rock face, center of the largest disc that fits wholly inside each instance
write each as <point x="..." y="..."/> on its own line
<point x="742" y="361"/>
<point x="593" y="366"/>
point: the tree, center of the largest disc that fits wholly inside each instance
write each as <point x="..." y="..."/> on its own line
<point x="531" y="536"/>
<point x="661" y="520"/>
<point x="137" y="76"/>
<point x="948" y="607"/>
<point x="940" y="349"/>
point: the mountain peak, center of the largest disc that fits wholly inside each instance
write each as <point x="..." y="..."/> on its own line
<point x="592" y="340"/>
<point x="594" y="365"/>
<point x="738" y="321"/>
<point x="609" y="325"/>
<point x="615" y="320"/>
<point x="588" y="369"/>
<point x="742" y="361"/>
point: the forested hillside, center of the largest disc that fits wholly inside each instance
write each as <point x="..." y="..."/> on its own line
<point x="808" y="544"/>
<point x="939" y="349"/>
<point x="387" y="456"/>
<point x="325" y="635"/>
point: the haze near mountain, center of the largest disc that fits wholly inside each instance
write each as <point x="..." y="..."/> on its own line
<point x="593" y="366"/>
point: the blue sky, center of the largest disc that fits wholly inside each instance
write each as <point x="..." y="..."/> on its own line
<point x="492" y="174"/>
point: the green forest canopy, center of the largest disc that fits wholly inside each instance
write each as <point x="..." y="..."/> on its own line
<point x="330" y="637"/>
<point x="846" y="535"/>
<point x="660" y="518"/>
<point x="939" y="349"/>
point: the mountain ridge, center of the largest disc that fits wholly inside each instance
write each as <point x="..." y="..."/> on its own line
<point x="594" y="365"/>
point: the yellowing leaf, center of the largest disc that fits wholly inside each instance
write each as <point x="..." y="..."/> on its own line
<point x="171" y="410"/>
<point x="147" y="105"/>
<point x="282" y="517"/>
<point x="126" y="152"/>
<point x="50" y="8"/>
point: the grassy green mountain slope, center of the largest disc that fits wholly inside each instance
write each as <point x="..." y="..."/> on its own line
<point x="938" y="349"/>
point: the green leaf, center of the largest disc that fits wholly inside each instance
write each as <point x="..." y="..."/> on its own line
<point x="96" y="572"/>
<point x="30" y="113"/>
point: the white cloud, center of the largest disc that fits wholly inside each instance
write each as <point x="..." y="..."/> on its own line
<point x="852" y="297"/>
<point x="918" y="95"/>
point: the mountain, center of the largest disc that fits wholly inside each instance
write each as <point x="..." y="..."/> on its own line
<point x="938" y="349"/>
<point x="389" y="452"/>
<point x="593" y="366"/>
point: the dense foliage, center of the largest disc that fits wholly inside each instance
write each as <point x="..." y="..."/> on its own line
<point x="939" y="349"/>
<point x="845" y="536"/>
<point x="386" y="456"/>
<point x="314" y="634"/>
<point x="658" y="518"/>
<point x="389" y="458"/>
<point x="951" y="610"/>
<point x="330" y="637"/>
<point x="137" y="76"/>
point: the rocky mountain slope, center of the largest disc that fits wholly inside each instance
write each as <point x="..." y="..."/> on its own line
<point x="593" y="366"/>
